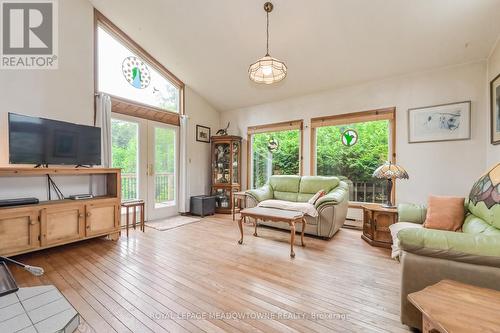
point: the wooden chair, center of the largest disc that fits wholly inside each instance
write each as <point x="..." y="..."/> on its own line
<point x="134" y="205"/>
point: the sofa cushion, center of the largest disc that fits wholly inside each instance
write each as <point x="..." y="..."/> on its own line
<point x="288" y="196"/>
<point x="445" y="213"/>
<point x="475" y="225"/>
<point x="408" y="212"/>
<point x="304" y="197"/>
<point x="395" y="229"/>
<point x="302" y="207"/>
<point x="315" y="197"/>
<point x="457" y="246"/>
<point x="313" y="184"/>
<point x="285" y="183"/>
<point x="285" y="187"/>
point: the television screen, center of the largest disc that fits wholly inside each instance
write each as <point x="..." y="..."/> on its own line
<point x="35" y="140"/>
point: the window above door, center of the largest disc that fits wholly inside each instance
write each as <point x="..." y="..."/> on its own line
<point x="130" y="75"/>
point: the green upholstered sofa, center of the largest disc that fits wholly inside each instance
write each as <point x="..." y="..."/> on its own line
<point x="332" y="208"/>
<point x="471" y="256"/>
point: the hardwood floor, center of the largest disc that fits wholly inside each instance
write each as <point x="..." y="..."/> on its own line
<point x="197" y="278"/>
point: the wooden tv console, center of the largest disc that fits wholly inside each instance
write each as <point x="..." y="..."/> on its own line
<point x="51" y="223"/>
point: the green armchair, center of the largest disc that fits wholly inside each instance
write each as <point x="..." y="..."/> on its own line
<point x="332" y="208"/>
<point x="471" y="256"/>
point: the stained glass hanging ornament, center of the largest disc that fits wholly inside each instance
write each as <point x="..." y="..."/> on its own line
<point x="349" y="137"/>
<point x="136" y="72"/>
<point x="273" y="145"/>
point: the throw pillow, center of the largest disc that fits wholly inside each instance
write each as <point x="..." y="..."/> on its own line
<point x="445" y="213"/>
<point x="315" y="197"/>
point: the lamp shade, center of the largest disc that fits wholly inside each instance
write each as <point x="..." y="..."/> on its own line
<point x="390" y="171"/>
<point x="267" y="70"/>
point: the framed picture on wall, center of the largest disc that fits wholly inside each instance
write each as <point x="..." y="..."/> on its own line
<point x="495" y="110"/>
<point x="202" y="134"/>
<point x="444" y="122"/>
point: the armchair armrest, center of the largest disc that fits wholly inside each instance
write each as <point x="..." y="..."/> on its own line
<point x="408" y="212"/>
<point x="335" y="196"/>
<point x="455" y="246"/>
<point x="261" y="194"/>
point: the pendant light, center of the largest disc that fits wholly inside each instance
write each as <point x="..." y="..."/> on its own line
<point x="267" y="70"/>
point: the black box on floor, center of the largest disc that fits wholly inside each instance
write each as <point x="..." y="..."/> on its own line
<point x="203" y="205"/>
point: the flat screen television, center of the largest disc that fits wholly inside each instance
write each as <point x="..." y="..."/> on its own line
<point x="42" y="141"/>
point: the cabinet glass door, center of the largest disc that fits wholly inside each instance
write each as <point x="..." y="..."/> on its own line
<point x="236" y="164"/>
<point x="222" y="198"/>
<point x="222" y="163"/>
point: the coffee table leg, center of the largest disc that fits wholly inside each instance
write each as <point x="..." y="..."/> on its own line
<point x="240" y="224"/>
<point x="292" y="239"/>
<point x="234" y="207"/>
<point x="302" y="233"/>
<point x="255" y="232"/>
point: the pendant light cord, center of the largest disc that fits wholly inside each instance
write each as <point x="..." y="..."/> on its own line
<point x="267" y="31"/>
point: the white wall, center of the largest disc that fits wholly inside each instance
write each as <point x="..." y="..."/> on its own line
<point x="67" y="94"/>
<point x="444" y="168"/>
<point x="199" y="160"/>
<point x="64" y="94"/>
<point x="493" y="151"/>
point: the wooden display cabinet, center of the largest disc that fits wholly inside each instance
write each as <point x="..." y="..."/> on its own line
<point x="226" y="171"/>
<point x="376" y="223"/>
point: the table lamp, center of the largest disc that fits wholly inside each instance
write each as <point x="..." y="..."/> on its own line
<point x="390" y="171"/>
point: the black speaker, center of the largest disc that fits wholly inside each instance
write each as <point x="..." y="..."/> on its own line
<point x="18" y="202"/>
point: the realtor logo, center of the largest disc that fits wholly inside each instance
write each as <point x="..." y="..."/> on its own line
<point x="29" y="34"/>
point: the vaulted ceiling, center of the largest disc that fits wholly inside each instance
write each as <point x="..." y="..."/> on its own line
<point x="209" y="44"/>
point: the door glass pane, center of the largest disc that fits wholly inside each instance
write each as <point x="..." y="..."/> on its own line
<point x="164" y="166"/>
<point x="222" y="160"/>
<point x="236" y="166"/>
<point x="124" y="74"/>
<point x="275" y="153"/>
<point x="354" y="151"/>
<point x="124" y="149"/>
<point x="222" y="197"/>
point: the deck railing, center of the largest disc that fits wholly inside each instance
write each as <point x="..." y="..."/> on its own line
<point x="367" y="192"/>
<point x="164" y="186"/>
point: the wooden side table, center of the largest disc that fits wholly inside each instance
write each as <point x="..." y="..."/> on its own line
<point x="450" y="306"/>
<point x="134" y="205"/>
<point x="376" y="222"/>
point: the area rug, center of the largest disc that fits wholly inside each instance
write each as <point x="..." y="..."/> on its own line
<point x="172" y="222"/>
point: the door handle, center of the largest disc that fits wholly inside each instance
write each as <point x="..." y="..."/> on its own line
<point x="151" y="170"/>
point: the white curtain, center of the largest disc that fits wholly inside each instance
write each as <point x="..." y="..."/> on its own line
<point x="183" y="165"/>
<point x="103" y="120"/>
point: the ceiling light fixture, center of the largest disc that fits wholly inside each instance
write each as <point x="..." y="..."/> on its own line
<point x="267" y="70"/>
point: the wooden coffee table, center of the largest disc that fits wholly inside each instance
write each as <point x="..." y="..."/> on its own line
<point x="274" y="215"/>
<point x="450" y="306"/>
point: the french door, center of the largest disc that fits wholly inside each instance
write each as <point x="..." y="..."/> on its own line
<point x="147" y="153"/>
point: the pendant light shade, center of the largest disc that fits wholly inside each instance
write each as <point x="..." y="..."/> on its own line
<point x="267" y="70"/>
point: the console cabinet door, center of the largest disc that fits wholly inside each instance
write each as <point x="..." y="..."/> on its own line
<point x="102" y="218"/>
<point x="381" y="223"/>
<point x="368" y="223"/>
<point x="61" y="224"/>
<point x="19" y="230"/>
